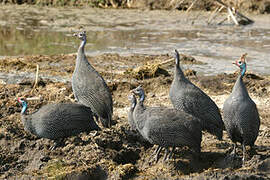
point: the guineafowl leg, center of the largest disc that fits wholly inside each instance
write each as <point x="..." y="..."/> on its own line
<point x="157" y="153"/>
<point x="57" y="143"/>
<point x="96" y="117"/>
<point x="234" y="150"/>
<point x="166" y="154"/>
<point x="244" y="153"/>
<point x="171" y="153"/>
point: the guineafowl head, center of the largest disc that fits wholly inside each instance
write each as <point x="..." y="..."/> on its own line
<point x="24" y="105"/>
<point x="177" y="57"/>
<point x="241" y="63"/>
<point x="81" y="35"/>
<point x="132" y="100"/>
<point x="139" y="92"/>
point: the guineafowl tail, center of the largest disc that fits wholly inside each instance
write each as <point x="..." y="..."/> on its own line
<point x="216" y="131"/>
<point x="94" y="125"/>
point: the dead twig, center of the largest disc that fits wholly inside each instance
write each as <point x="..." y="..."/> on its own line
<point x="232" y="11"/>
<point x="232" y="16"/>
<point x="214" y="14"/>
<point x="36" y="79"/>
<point x="34" y="98"/>
<point x="192" y="4"/>
<point x="165" y="62"/>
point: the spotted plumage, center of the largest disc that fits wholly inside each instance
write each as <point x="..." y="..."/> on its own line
<point x="186" y="96"/>
<point x="166" y="127"/>
<point x="54" y="121"/>
<point x="241" y="117"/>
<point x="89" y="87"/>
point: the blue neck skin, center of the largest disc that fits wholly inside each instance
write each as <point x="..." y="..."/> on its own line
<point x="243" y="69"/>
<point x="24" y="104"/>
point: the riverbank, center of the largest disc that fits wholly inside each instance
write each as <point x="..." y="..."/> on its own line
<point x="262" y="7"/>
<point x="119" y="153"/>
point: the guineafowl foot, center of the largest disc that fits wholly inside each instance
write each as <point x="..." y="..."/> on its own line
<point x="244" y="154"/>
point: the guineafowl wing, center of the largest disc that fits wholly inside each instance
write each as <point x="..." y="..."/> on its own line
<point x="197" y="103"/>
<point x="169" y="127"/>
<point x="63" y="120"/>
<point x="91" y="90"/>
<point x="248" y="121"/>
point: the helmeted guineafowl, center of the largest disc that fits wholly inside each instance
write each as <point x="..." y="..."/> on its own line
<point x="56" y="121"/>
<point x="188" y="97"/>
<point x="241" y="117"/>
<point x="166" y="127"/>
<point x="89" y="87"/>
<point x="133" y="102"/>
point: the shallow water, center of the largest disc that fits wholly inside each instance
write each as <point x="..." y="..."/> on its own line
<point x="49" y="31"/>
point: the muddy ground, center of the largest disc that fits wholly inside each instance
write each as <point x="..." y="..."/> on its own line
<point x="119" y="153"/>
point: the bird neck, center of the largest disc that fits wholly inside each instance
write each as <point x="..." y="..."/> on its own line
<point x="239" y="88"/>
<point x="27" y="123"/>
<point x="142" y="97"/>
<point x="24" y="108"/>
<point x="81" y="54"/>
<point x="81" y="48"/>
<point x="179" y="73"/>
<point x="133" y="105"/>
<point x="243" y="70"/>
<point x="139" y="118"/>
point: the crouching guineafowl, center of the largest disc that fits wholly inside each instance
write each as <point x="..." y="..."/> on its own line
<point x="166" y="127"/>
<point x="56" y="121"/>
<point x="241" y="116"/>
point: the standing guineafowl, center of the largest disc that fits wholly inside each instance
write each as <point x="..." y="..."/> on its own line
<point x="133" y="102"/>
<point x="166" y="127"/>
<point x="56" y="121"/>
<point x="186" y="96"/>
<point x="241" y="117"/>
<point x="89" y="87"/>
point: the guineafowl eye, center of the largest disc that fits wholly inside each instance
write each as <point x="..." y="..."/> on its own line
<point x="239" y="62"/>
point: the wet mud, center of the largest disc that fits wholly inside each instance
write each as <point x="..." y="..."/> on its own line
<point x="118" y="152"/>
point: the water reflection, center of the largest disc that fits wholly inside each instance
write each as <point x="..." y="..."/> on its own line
<point x="216" y="45"/>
